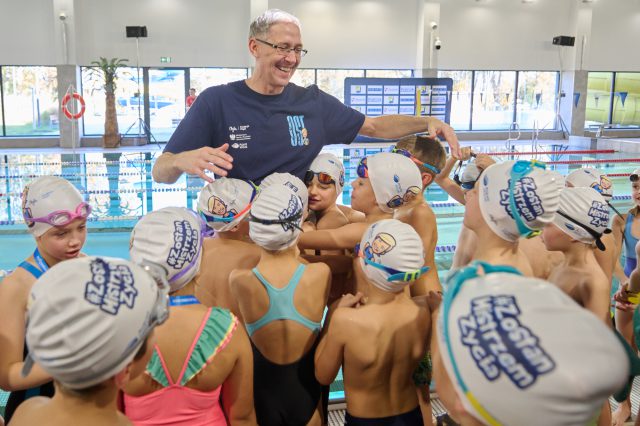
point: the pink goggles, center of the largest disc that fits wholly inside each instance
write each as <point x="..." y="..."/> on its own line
<point x="62" y="217"/>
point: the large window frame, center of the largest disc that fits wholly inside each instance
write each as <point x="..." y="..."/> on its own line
<point x="613" y="94"/>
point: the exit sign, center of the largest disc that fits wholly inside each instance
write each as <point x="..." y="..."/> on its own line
<point x="165" y="59"/>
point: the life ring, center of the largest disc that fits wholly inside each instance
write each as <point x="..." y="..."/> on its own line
<point x="66" y="111"/>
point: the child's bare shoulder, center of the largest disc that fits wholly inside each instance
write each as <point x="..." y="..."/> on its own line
<point x="333" y="219"/>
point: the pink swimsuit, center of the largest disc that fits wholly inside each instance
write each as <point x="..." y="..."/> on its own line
<point x="177" y="404"/>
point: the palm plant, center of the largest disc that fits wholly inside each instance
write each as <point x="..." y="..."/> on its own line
<point x="107" y="69"/>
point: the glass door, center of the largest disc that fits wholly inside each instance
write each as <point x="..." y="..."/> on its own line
<point x="166" y="101"/>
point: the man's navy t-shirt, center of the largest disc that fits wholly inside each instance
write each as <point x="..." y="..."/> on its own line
<point x="266" y="133"/>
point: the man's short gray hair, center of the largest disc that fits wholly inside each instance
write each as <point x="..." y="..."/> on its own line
<point x="261" y="25"/>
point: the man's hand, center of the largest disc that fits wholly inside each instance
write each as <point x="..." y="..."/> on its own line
<point x="195" y="162"/>
<point x="441" y="129"/>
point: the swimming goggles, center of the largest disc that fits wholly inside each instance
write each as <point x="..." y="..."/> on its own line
<point x="409" y="155"/>
<point x="596" y="235"/>
<point x="363" y="171"/>
<point x="287" y="221"/>
<point x="63" y="217"/>
<point x="520" y="169"/>
<point x="454" y="283"/>
<point x="323" y="178"/>
<point x="230" y="217"/>
<point x="468" y="185"/>
<point x="394" y="274"/>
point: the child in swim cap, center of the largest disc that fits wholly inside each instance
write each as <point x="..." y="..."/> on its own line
<point x="511" y="200"/>
<point x="90" y="326"/>
<point x="230" y="248"/>
<point x="362" y="338"/>
<point x="201" y="352"/>
<point x="56" y="215"/>
<point x="282" y="301"/>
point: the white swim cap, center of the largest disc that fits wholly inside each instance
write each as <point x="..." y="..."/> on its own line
<point x="224" y="203"/>
<point x="88" y="317"/>
<point x="292" y="182"/>
<point x="395" y="180"/>
<point x="172" y="238"/>
<point x="589" y="177"/>
<point x="391" y="255"/>
<point x="329" y="164"/>
<point x="45" y="195"/>
<point x="521" y="352"/>
<point x="276" y="218"/>
<point x="535" y="194"/>
<point x="583" y="215"/>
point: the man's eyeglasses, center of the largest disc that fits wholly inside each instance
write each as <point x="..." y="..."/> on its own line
<point x="415" y="160"/>
<point x="284" y="50"/>
<point x="323" y="178"/>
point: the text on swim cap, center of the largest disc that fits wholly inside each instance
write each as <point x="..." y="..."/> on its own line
<point x="499" y="343"/>
<point x="599" y="214"/>
<point x="185" y="244"/>
<point x="526" y="198"/>
<point x="111" y="286"/>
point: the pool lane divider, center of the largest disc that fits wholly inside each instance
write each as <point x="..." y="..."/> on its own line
<point x="586" y="151"/>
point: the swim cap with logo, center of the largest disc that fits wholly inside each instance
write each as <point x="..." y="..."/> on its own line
<point x="395" y="180"/>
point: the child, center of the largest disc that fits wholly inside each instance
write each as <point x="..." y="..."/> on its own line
<point x="90" y="327"/>
<point x="511" y="350"/>
<point x="385" y="182"/>
<point x="380" y="344"/>
<point x="324" y="181"/>
<point x="593" y="178"/>
<point x="430" y="158"/>
<point x="224" y="205"/>
<point x="524" y="188"/>
<point x="282" y="302"/>
<point x="56" y="214"/>
<point x="581" y="220"/>
<point x="201" y="356"/>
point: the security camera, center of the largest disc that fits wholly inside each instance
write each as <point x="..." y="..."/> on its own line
<point x="438" y="43"/>
<point x="433" y="25"/>
<point x="62" y="16"/>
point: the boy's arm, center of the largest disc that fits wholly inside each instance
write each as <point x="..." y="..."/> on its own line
<point x="423" y="220"/>
<point x="345" y="237"/>
<point x="595" y="297"/>
<point x="447" y="184"/>
<point x="352" y="215"/>
<point x="329" y="354"/>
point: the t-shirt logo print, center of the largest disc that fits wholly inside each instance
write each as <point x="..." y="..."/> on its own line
<point x="110" y="287"/>
<point x="499" y="343"/>
<point x="185" y="244"/>
<point x="297" y="131"/>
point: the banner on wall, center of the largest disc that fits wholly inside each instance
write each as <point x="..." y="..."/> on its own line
<point x="405" y="96"/>
<point x="576" y="99"/>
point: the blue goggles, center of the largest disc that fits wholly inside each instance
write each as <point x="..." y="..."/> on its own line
<point x="394" y="274"/>
<point x="409" y="155"/>
<point x="454" y="283"/>
<point x="520" y="169"/>
<point x="362" y="170"/>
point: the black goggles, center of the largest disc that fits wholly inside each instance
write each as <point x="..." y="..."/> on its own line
<point x="634" y="178"/>
<point x="596" y="235"/>
<point x="291" y="221"/>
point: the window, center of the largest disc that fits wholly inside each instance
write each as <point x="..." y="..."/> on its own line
<point x="388" y="73"/>
<point x="30" y="100"/>
<point x="493" y="100"/>
<point x="598" y="98"/>
<point x="126" y="99"/>
<point x="536" y="104"/>
<point x="332" y="81"/>
<point x="201" y="78"/>
<point x="626" y="105"/>
<point x="304" y="77"/>
<point x="460" y="98"/>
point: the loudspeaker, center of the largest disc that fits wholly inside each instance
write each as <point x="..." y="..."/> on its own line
<point x="136" y="32"/>
<point x="564" y="40"/>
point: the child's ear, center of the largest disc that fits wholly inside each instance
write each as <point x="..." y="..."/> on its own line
<point x="427" y="178"/>
<point x="124" y="376"/>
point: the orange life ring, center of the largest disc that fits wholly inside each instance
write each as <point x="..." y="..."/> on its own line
<point x="66" y="111"/>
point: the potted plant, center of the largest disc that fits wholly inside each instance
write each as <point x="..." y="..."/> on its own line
<point x="107" y="69"/>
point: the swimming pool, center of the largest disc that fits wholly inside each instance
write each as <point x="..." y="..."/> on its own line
<point x="120" y="188"/>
